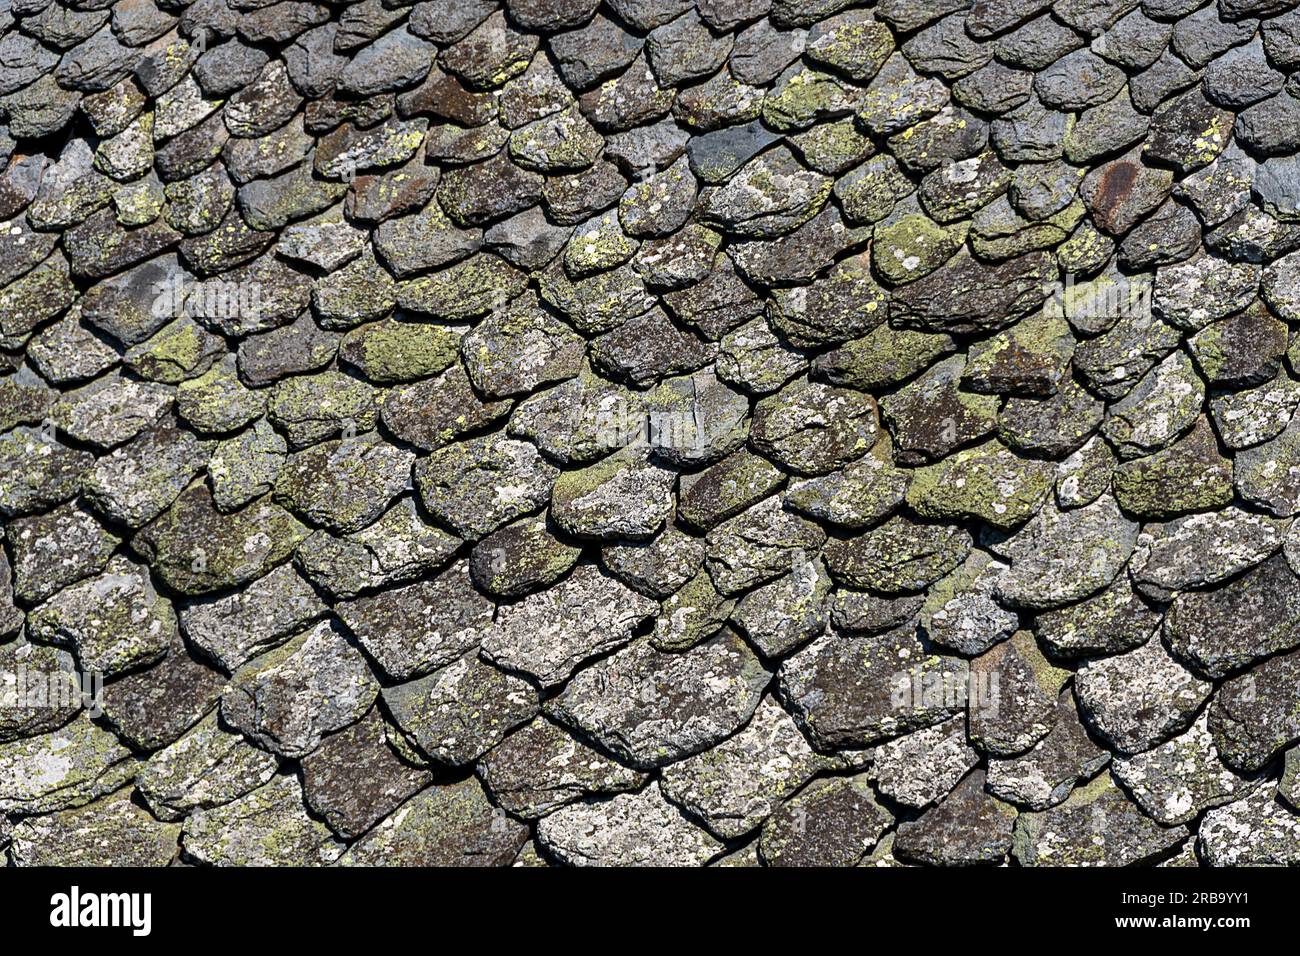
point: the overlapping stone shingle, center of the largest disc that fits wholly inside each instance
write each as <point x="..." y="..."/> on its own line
<point x="781" y="432"/>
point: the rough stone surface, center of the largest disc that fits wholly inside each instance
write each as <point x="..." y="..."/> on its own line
<point x="833" y="822"/>
<point x="541" y="767"/>
<point x="268" y="827"/>
<point x="651" y="708"/>
<point x="449" y="825"/>
<point x="1097" y="826"/>
<point x="1140" y="698"/>
<point x="287" y="699"/>
<point x="549" y="634"/>
<point x="740" y="432"/>
<point x="460" y="711"/>
<point x="850" y="691"/>
<point x="640" y="829"/>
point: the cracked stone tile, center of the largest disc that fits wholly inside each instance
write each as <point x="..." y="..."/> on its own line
<point x="206" y="767"/>
<point x="1061" y="556"/>
<point x="626" y="495"/>
<point x="178" y="351"/>
<point x="967" y="827"/>
<point x="245" y="467"/>
<point x="1222" y="189"/>
<point x="740" y="783"/>
<point x="234" y="628"/>
<point x="397" y="548"/>
<point x="694" y="612"/>
<point x="1085" y="475"/>
<point x="468" y="289"/>
<point x="1017" y="693"/>
<point x="1188" y="476"/>
<point x="1202" y="549"/>
<point x="830" y="822"/>
<point x="1188" y="131"/>
<point x="115" y="622"/>
<point x="759" y="544"/>
<point x="1113" y="362"/>
<point x="885" y="356"/>
<point x="899" y="556"/>
<point x="302" y="346"/>
<point x="136" y="482"/>
<point x="478" y="485"/>
<point x="934" y="416"/>
<point x="522" y="557"/>
<point x="197" y="550"/>
<point x="767" y="197"/>
<point x="784" y="614"/>
<point x="598" y="245"/>
<point x="1281" y="286"/>
<point x="599" y="303"/>
<point x="39" y="690"/>
<point x="656" y="568"/>
<point x="422" y="626"/>
<point x="695" y="420"/>
<point x="69" y="352"/>
<point x="1179" y="779"/>
<point x="1234" y="625"/>
<point x="679" y="259"/>
<point x="960" y="611"/>
<point x="344" y="485"/>
<point x="1252" y="715"/>
<point x="1161" y="406"/>
<point x="53" y="550"/>
<point x="1112" y="621"/>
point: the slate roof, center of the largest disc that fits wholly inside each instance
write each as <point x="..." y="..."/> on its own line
<point x="650" y="431"/>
